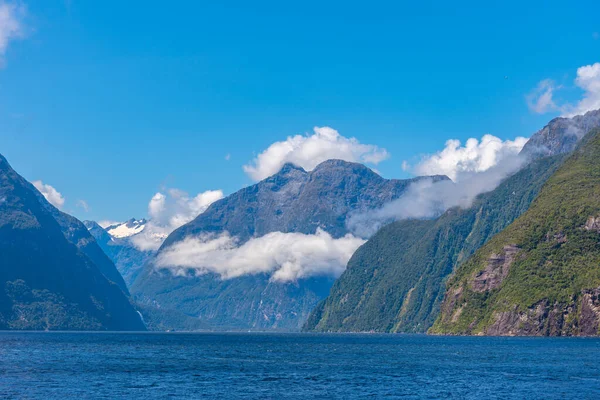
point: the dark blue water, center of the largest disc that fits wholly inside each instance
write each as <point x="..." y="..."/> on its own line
<point x="288" y="366"/>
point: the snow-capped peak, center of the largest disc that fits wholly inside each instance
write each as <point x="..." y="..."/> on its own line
<point x="126" y="229"/>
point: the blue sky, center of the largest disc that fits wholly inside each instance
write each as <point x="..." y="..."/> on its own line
<point x="111" y="102"/>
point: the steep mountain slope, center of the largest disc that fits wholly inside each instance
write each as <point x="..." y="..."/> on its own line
<point x="394" y="282"/>
<point x="128" y="260"/>
<point x="47" y="282"/>
<point x="76" y="233"/>
<point x="541" y="275"/>
<point x="293" y="200"/>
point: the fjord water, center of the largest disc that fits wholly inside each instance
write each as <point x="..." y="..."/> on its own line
<point x="281" y="366"/>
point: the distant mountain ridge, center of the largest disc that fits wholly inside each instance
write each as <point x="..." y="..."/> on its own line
<point x="293" y="200"/>
<point x="126" y="229"/>
<point x="127" y="258"/>
<point x="53" y="275"/>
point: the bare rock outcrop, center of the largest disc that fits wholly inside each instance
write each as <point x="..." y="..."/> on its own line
<point x="495" y="270"/>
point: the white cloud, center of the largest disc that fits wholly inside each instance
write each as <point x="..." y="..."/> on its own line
<point x="52" y="195"/>
<point x="588" y="79"/>
<point x="309" y="151"/>
<point x="168" y="211"/>
<point x="475" y="156"/>
<point x="83" y="205"/>
<point x="540" y="100"/>
<point x="427" y="198"/>
<point x="11" y="26"/>
<point x="286" y="256"/>
<point x="227" y="157"/>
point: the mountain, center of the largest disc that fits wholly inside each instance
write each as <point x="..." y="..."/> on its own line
<point x="127" y="258"/>
<point x="47" y="279"/>
<point x="127" y="228"/>
<point x="561" y="135"/>
<point x="76" y="233"/>
<point x="395" y="282"/>
<point x="541" y="275"/>
<point x="291" y="201"/>
<point x="294" y="200"/>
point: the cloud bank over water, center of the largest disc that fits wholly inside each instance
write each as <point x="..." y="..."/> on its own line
<point x="286" y="256"/>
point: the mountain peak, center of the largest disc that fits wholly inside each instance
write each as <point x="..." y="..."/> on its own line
<point x="337" y="163"/>
<point x="127" y="228"/>
<point x="561" y="134"/>
<point x="290" y="168"/>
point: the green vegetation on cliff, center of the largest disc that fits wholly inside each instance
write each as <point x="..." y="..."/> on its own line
<point x="395" y="282"/>
<point x="541" y="275"/>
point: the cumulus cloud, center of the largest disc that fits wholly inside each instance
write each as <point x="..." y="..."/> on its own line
<point x="588" y="79"/>
<point x="541" y="100"/>
<point x="307" y="151"/>
<point x="428" y="198"/>
<point x="168" y="211"/>
<point x="11" y="26"/>
<point x="52" y="195"/>
<point x="286" y="256"/>
<point x="475" y="156"/>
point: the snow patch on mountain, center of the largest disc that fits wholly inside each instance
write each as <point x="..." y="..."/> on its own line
<point x="126" y="229"/>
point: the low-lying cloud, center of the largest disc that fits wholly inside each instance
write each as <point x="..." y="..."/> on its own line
<point x="52" y="195"/>
<point x="170" y="210"/>
<point x="428" y="198"/>
<point x="309" y="151"/>
<point x="541" y="100"/>
<point x="286" y="256"/>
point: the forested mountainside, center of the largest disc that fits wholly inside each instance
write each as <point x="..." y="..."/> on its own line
<point x="395" y="282"/>
<point x="48" y="282"/>
<point x="541" y="275"/>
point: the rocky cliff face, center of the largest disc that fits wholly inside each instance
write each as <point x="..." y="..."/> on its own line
<point x="541" y="275"/>
<point x="561" y="135"/>
<point x="47" y="281"/>
<point x="292" y="200"/>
